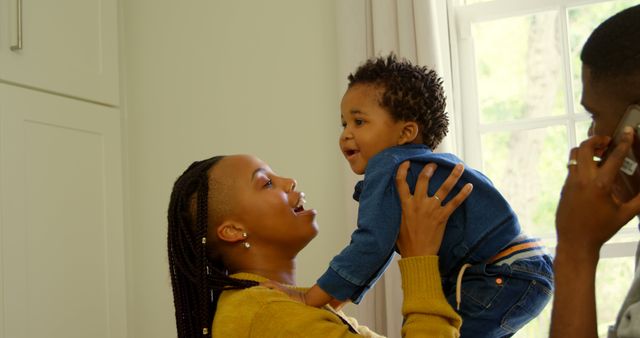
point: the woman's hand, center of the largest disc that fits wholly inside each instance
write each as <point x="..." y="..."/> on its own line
<point x="588" y="215"/>
<point x="424" y="217"/>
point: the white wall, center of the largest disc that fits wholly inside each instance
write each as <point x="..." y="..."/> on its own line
<point x="222" y="77"/>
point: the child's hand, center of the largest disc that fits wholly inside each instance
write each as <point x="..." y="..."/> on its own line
<point x="337" y="304"/>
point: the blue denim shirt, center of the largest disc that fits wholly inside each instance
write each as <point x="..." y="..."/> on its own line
<point x="476" y="231"/>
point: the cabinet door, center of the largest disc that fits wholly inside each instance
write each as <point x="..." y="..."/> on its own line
<point x="62" y="265"/>
<point x="68" y="47"/>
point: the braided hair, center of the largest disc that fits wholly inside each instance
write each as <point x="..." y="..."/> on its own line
<point x="197" y="280"/>
<point x="411" y="93"/>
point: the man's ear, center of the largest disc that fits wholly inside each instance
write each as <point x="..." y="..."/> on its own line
<point x="408" y="133"/>
<point x="231" y="232"/>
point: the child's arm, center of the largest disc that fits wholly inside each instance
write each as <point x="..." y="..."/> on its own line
<point x="317" y="297"/>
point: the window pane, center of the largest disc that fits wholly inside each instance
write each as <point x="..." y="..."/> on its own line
<point x="582" y="21"/>
<point x="616" y="272"/>
<point x="519" y="68"/>
<point x="528" y="167"/>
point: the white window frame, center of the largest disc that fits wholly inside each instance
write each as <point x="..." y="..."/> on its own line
<point x="465" y="93"/>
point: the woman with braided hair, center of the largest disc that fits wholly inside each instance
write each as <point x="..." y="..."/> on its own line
<point x="235" y="229"/>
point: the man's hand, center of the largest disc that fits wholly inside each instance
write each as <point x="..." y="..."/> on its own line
<point x="588" y="215"/>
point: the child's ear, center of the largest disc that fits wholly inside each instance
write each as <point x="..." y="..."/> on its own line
<point x="409" y="132"/>
<point x="231" y="232"/>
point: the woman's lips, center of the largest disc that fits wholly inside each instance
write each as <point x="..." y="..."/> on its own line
<point x="306" y="212"/>
<point x="299" y="208"/>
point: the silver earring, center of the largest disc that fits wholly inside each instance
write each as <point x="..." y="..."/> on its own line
<point x="245" y="243"/>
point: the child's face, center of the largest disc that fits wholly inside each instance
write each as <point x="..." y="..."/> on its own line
<point x="367" y="127"/>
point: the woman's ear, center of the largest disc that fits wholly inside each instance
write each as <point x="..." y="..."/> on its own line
<point x="408" y="133"/>
<point x="231" y="232"/>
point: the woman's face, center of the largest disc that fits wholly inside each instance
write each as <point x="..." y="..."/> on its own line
<point x="265" y="204"/>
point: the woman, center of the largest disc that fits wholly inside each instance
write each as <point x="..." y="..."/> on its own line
<point x="233" y="224"/>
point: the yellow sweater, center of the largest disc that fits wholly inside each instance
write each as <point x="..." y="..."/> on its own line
<point x="263" y="312"/>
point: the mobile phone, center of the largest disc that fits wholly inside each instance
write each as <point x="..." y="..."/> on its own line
<point x="627" y="182"/>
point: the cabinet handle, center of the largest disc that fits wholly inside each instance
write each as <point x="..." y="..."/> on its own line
<point x="18" y="45"/>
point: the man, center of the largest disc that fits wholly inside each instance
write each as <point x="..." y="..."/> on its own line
<point x="588" y="215"/>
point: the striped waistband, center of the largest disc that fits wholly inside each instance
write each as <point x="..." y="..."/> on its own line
<point x="520" y="248"/>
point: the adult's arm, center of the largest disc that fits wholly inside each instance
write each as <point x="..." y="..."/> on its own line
<point x="421" y="231"/>
<point x="587" y="216"/>
<point x="425" y="308"/>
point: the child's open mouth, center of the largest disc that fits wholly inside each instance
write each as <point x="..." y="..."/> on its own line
<point x="350" y="152"/>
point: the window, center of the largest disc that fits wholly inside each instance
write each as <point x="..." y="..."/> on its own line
<point x="519" y="88"/>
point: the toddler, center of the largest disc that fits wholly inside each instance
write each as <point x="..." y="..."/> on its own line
<point x="494" y="275"/>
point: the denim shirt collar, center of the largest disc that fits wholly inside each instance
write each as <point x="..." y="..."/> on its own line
<point x="357" y="190"/>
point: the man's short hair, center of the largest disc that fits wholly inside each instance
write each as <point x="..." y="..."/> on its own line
<point x="613" y="49"/>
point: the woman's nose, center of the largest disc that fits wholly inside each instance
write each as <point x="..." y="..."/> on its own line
<point x="291" y="183"/>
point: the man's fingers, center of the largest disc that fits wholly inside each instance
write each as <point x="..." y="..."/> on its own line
<point x="572" y="165"/>
<point x="401" y="181"/>
<point x="616" y="157"/>
<point x="584" y="157"/>
<point x="635" y="147"/>
<point x="422" y="185"/>
<point x="630" y="209"/>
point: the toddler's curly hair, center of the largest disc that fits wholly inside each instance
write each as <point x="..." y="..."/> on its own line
<point x="410" y="93"/>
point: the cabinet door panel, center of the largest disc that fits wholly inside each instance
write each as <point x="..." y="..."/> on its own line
<point x="68" y="47"/>
<point x="61" y="224"/>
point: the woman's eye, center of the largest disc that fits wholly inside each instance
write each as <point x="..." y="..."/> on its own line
<point x="269" y="184"/>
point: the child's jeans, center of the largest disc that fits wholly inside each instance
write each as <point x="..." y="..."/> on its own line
<point x="499" y="299"/>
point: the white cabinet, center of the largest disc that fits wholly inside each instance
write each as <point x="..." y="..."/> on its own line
<point x="62" y="264"/>
<point x="67" y="47"/>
